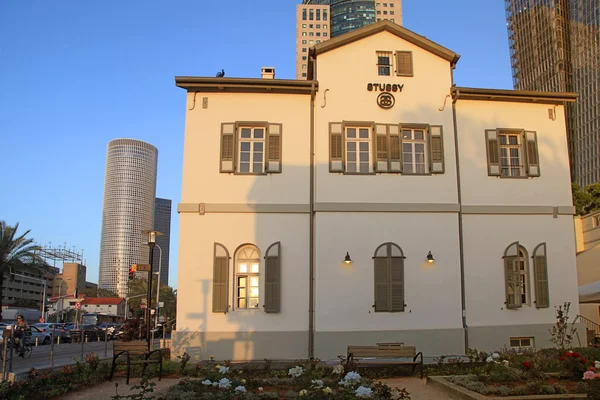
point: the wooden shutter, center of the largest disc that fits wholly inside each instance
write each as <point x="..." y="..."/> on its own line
<point x="220" y="279"/>
<point x="395" y="148"/>
<point x="540" y="273"/>
<point x="227" y="159"/>
<point x="512" y="275"/>
<point x="382" y="284"/>
<point x="273" y="278"/>
<point x="336" y="147"/>
<point x="493" y="152"/>
<point x="273" y="161"/>
<point x="533" y="157"/>
<point x="397" y="283"/>
<point x="381" y="148"/>
<point x="436" y="149"/>
<point x="404" y="63"/>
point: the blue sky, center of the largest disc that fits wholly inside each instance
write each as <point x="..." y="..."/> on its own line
<point x="76" y="74"/>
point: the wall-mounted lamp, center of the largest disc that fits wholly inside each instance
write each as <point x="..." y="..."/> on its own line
<point x="430" y="258"/>
<point x="347" y="259"/>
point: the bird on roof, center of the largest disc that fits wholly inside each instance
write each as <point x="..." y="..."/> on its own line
<point x="221" y="74"/>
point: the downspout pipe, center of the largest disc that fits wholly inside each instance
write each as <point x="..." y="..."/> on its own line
<point x="311" y="245"/>
<point x="461" y="246"/>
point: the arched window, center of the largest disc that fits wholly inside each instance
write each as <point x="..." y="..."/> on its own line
<point x="540" y="276"/>
<point x="389" y="278"/>
<point x="516" y="273"/>
<point x="247" y="270"/>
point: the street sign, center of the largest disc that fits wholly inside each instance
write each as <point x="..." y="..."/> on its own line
<point x="161" y="304"/>
<point x="141" y="267"/>
<point x="78" y="305"/>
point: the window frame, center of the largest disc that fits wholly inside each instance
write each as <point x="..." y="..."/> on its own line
<point x="369" y="140"/>
<point x="522" y="258"/>
<point x="252" y="141"/>
<point x="248" y="274"/>
<point x="390" y="66"/>
<point x="519" y="133"/>
<point x="520" y="339"/>
<point x="388" y="257"/>
<point x="426" y="147"/>
<point x="412" y="63"/>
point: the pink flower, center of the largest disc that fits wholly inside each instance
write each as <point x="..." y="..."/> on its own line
<point x="561" y="358"/>
<point x="589" y="375"/>
<point x="526" y="364"/>
<point x="593" y="369"/>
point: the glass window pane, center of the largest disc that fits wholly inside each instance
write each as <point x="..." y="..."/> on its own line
<point x="241" y="292"/>
<point x="259" y="133"/>
<point x="351" y="156"/>
<point x="254" y="268"/>
<point x="254" y="292"/>
<point x="419" y="135"/>
<point x="253" y="303"/>
<point x="241" y="303"/>
<point x="351" y="133"/>
<point x="351" y="146"/>
<point x="525" y="342"/>
<point x="257" y="157"/>
<point x="502" y="139"/>
<point x="364" y="157"/>
<point x="254" y="280"/>
<point x="513" y="140"/>
<point x="364" y="168"/>
<point x="258" y="146"/>
<point x="242" y="281"/>
<point x="245" y="156"/>
<point x="257" y="167"/>
<point x="351" y="167"/>
<point x="245" y="167"/>
<point x="419" y="148"/>
<point x="514" y="343"/>
<point x="364" y="146"/>
<point x="406" y="134"/>
<point x="364" y="133"/>
<point x="245" y="146"/>
<point x="243" y="268"/>
<point x="246" y="133"/>
<point x="408" y="168"/>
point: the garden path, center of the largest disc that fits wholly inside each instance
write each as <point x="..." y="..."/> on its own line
<point x="417" y="388"/>
<point x="106" y="390"/>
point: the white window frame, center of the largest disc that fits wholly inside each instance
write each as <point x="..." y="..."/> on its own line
<point x="521" y="339"/>
<point x="357" y="141"/>
<point x="242" y="259"/>
<point x="412" y="142"/>
<point x="253" y="141"/>
<point x="507" y="169"/>
<point x="524" y="275"/>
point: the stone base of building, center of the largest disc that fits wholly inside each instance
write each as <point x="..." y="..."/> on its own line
<point x="249" y="346"/>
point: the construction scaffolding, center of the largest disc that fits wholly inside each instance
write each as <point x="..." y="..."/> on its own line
<point x="52" y="254"/>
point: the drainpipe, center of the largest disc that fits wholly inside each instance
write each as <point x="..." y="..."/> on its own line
<point x="311" y="251"/>
<point x="460" y="219"/>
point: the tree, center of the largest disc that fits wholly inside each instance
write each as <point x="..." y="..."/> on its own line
<point x="16" y="252"/>
<point x="586" y="200"/>
<point x="99" y="292"/>
<point x="168" y="295"/>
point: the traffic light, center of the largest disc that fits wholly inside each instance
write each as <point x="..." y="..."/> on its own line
<point x="132" y="271"/>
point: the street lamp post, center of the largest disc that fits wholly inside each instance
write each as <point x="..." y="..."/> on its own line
<point x="157" y="290"/>
<point x="59" y="299"/>
<point x="151" y="243"/>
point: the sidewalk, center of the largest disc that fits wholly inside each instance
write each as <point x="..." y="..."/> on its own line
<point x="418" y="388"/>
<point x="106" y="390"/>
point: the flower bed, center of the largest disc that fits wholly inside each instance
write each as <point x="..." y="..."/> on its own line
<point x="311" y="381"/>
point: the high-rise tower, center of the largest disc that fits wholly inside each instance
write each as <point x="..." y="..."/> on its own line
<point x="162" y="223"/>
<point x="128" y="210"/>
<point x="320" y="20"/>
<point x="554" y="46"/>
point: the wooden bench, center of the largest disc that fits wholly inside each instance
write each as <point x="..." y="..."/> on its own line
<point x="131" y="350"/>
<point x="386" y="353"/>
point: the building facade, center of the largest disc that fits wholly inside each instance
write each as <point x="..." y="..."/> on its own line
<point x="162" y="223"/>
<point x="108" y="305"/>
<point x="27" y="290"/>
<point x="554" y="47"/>
<point x="128" y="210"/>
<point x="320" y="20"/>
<point x="377" y="204"/>
<point x="70" y="279"/>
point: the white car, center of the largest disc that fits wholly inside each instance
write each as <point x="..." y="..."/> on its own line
<point x="42" y="337"/>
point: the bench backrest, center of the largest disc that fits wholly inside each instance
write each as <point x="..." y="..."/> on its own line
<point x="133" y="347"/>
<point x="383" y="351"/>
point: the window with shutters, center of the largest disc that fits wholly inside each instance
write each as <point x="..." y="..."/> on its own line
<point x="384" y="63"/>
<point x="540" y="276"/>
<point x="250" y="148"/>
<point x="516" y="269"/>
<point x="389" y="278"/>
<point x="512" y="153"/>
<point x="404" y="63"/>
<point x="273" y="278"/>
<point x="247" y="273"/>
<point x="220" y="279"/>
<point x="358" y="150"/>
<point x="414" y="155"/>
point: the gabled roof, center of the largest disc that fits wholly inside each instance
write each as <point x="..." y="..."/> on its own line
<point x="102" y="300"/>
<point x="394" y="29"/>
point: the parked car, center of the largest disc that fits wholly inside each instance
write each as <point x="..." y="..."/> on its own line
<point x="91" y="332"/>
<point x="59" y="330"/>
<point x="42" y="337"/>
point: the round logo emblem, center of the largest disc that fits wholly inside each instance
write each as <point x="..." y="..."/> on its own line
<point x="386" y="100"/>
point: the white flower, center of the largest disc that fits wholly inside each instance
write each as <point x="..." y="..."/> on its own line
<point x="224" y="383"/>
<point x="363" y="392"/>
<point x="597" y="364"/>
<point x="260" y="389"/>
<point x="327" y="390"/>
<point x="240" y="389"/>
<point x="352" y="377"/>
<point x="495" y="355"/>
<point x="317" y="383"/>
<point x="244" y="381"/>
<point x="489" y="359"/>
<point x="223" y="370"/>
<point x="505" y="363"/>
<point x="207" y="382"/>
<point x="215" y="383"/>
<point x="303" y="392"/>
<point x="338" y="369"/>
<point x="296" y="371"/>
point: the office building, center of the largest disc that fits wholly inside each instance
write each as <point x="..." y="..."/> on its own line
<point x="381" y="215"/>
<point x="320" y="20"/>
<point x="27" y="290"/>
<point x="162" y="223"/>
<point x="554" y="46"/>
<point x="128" y="210"/>
<point x="71" y="278"/>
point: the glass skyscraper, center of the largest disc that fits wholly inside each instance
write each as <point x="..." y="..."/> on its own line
<point x="554" y="46"/>
<point x="162" y="223"/>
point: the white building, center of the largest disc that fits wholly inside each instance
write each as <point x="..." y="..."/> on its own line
<point x="378" y="157"/>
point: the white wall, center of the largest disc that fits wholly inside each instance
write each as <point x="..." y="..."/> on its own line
<point x="203" y="140"/>
<point x="552" y="188"/>
<point x="194" y="295"/>
<point x="345" y="73"/>
<point x="486" y="238"/>
<point x="345" y="293"/>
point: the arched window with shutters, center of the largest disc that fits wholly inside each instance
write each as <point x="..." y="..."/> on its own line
<point x="540" y="276"/>
<point x="516" y="276"/>
<point x="273" y="278"/>
<point x="389" y="278"/>
<point x="247" y="277"/>
<point x="220" y="279"/>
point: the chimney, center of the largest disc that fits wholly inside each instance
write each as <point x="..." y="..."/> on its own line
<point x="268" y="73"/>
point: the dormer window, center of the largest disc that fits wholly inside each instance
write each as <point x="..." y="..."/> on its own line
<point x="384" y="63"/>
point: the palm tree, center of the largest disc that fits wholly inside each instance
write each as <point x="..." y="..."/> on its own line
<point x="15" y="253"/>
